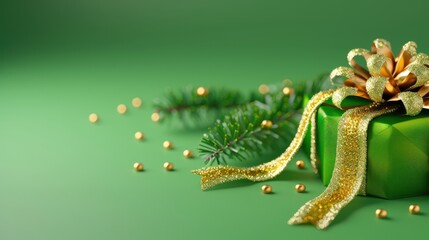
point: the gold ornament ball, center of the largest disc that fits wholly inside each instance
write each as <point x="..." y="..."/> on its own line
<point x="287" y="91"/>
<point x="202" y="91"/>
<point x="300" y="164"/>
<point x="167" y="145"/>
<point x="122" y="109"/>
<point x="188" y="153"/>
<point x="300" y="188"/>
<point x="168" y="166"/>
<point x="266" y="124"/>
<point x="267" y="189"/>
<point x="93" y="118"/>
<point x="381" y="213"/>
<point x="414" y="209"/>
<point x="136" y="102"/>
<point x="155" y="117"/>
<point x="264" y="89"/>
<point x="138" y="166"/>
<point x="139" y="136"/>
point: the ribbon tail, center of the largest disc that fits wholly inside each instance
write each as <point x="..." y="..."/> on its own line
<point x="313" y="151"/>
<point x="216" y="175"/>
<point x="349" y="174"/>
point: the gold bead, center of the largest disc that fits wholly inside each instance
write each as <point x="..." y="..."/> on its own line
<point x="138" y="166"/>
<point x="300" y="188"/>
<point x="266" y="124"/>
<point x="264" y="89"/>
<point x="139" y="136"/>
<point x="287" y="91"/>
<point x="188" y="153"/>
<point x="136" y="102"/>
<point x="122" y="109"/>
<point x="155" y="117"/>
<point x="168" y="166"/>
<point x="414" y="209"/>
<point x="267" y="189"/>
<point x="167" y="145"/>
<point x="93" y="118"/>
<point x="202" y="91"/>
<point x="381" y="213"/>
<point x="300" y="164"/>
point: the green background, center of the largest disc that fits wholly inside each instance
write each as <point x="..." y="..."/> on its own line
<point x="64" y="178"/>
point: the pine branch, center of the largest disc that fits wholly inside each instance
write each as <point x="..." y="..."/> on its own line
<point x="193" y="104"/>
<point x="243" y="134"/>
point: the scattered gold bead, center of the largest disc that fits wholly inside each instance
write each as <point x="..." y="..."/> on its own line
<point x="287" y="91"/>
<point x="264" y="89"/>
<point x="155" y="117"/>
<point x="266" y="124"/>
<point x="381" y="213"/>
<point x="136" y="102"/>
<point x="300" y="188"/>
<point x="122" y="109"/>
<point x="267" y="189"/>
<point x="93" y="118"/>
<point x="202" y="91"/>
<point x="414" y="209"/>
<point x="300" y="164"/>
<point x="139" y="135"/>
<point x="188" y="153"/>
<point x="167" y="145"/>
<point x="168" y="166"/>
<point x="138" y="166"/>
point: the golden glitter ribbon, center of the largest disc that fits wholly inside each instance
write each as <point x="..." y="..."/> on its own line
<point x="348" y="178"/>
<point x="392" y="84"/>
<point x="216" y="175"/>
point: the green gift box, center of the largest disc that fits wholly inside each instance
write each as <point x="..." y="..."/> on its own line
<point x="398" y="150"/>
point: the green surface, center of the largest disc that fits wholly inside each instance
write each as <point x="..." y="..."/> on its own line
<point x="398" y="162"/>
<point x="64" y="178"/>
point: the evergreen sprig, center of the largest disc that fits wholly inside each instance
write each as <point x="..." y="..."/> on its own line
<point x="241" y="134"/>
<point x="190" y="106"/>
<point x="238" y="132"/>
